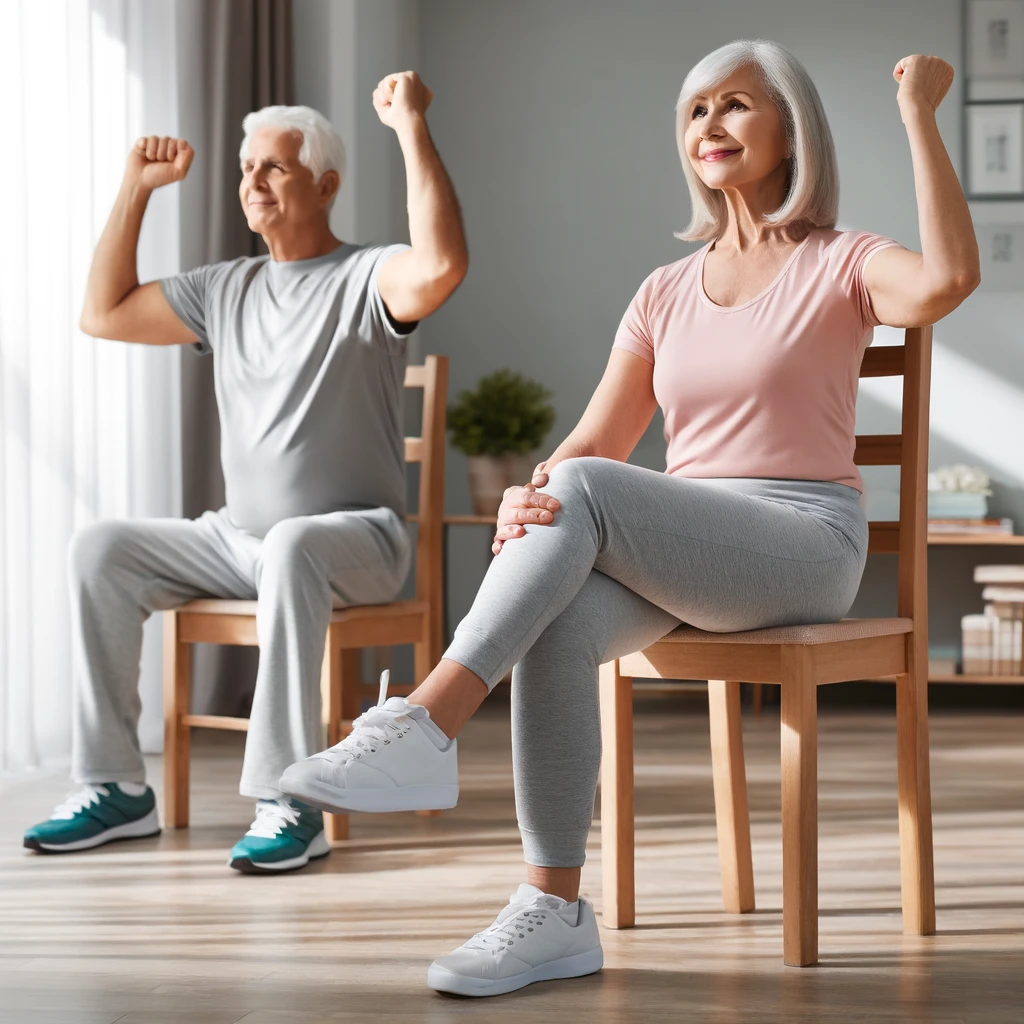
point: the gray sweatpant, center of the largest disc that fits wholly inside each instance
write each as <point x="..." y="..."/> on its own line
<point x="121" y="571"/>
<point x="630" y="555"/>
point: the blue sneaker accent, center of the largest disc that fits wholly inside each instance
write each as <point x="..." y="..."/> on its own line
<point x="94" y="815"/>
<point x="285" y="836"/>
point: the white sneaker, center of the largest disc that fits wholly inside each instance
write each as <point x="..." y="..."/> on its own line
<point x="530" y="940"/>
<point x="395" y="759"/>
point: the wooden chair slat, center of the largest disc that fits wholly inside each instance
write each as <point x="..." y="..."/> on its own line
<point x="878" y="450"/>
<point x="883" y="538"/>
<point x="883" y="361"/>
<point x="416" y="376"/>
<point x="414" y="449"/>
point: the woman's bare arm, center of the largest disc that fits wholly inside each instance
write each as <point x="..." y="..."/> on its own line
<point x="906" y="288"/>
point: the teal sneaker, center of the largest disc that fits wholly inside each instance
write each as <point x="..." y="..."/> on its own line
<point x="95" y="815"/>
<point x="286" y="835"/>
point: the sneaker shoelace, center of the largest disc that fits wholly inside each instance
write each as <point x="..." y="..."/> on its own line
<point x="371" y="730"/>
<point x="75" y="803"/>
<point x="517" y="922"/>
<point x="272" y="817"/>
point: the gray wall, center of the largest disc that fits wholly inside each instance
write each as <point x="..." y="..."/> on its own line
<point x="555" y="120"/>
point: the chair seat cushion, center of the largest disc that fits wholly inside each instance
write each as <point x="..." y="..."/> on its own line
<point x="825" y="633"/>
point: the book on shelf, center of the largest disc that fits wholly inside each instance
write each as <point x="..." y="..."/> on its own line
<point x="993" y="643"/>
<point x="1011" y="574"/>
<point x="1004" y="595"/>
<point x="973" y="527"/>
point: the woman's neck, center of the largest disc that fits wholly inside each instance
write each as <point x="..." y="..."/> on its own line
<point x="747" y="207"/>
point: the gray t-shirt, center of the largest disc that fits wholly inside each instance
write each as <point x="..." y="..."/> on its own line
<point x="309" y="371"/>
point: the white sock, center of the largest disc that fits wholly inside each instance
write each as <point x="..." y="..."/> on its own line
<point x="132" y="788"/>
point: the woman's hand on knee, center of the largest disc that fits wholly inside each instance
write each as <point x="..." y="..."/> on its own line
<point x="524" y="505"/>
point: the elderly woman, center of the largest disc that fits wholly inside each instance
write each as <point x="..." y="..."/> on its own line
<point x="751" y="346"/>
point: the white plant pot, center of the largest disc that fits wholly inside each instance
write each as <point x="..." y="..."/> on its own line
<point x="490" y="475"/>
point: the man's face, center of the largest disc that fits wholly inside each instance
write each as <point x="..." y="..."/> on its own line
<point x="276" y="190"/>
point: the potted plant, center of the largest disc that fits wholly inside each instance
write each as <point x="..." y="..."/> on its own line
<point x="499" y="425"/>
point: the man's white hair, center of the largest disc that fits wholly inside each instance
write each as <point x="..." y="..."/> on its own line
<point x="322" y="148"/>
<point x="812" y="197"/>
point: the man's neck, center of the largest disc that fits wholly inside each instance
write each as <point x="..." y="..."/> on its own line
<point x="302" y="246"/>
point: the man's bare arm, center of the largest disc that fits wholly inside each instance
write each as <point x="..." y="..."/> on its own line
<point x="116" y="305"/>
<point x="414" y="284"/>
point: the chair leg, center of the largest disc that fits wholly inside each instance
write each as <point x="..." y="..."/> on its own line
<point x="426" y="655"/>
<point x="617" y="818"/>
<point x="732" y="816"/>
<point x="799" y="809"/>
<point x="915" y="802"/>
<point x="177" y="735"/>
<point x="422" y="663"/>
<point x="339" y="675"/>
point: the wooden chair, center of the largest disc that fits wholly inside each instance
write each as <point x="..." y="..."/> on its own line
<point x="800" y="659"/>
<point x="416" y="622"/>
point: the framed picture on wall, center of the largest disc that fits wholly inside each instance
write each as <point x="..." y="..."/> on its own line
<point x="995" y="150"/>
<point x="994" y="49"/>
<point x="1001" y="247"/>
<point x="995" y="32"/>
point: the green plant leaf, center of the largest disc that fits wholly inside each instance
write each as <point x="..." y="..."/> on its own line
<point x="505" y="414"/>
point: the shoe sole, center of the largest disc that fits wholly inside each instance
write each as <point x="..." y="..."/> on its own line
<point x="443" y="980"/>
<point x="318" y="848"/>
<point x="401" y="798"/>
<point x="143" y="828"/>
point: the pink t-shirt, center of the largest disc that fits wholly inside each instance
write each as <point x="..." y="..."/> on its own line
<point x="768" y="388"/>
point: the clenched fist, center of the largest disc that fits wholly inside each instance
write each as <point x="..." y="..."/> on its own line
<point x="924" y="81"/>
<point x="400" y="96"/>
<point x="157" y="161"/>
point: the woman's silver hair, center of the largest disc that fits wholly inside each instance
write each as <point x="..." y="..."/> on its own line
<point x="812" y="195"/>
<point x="322" y="148"/>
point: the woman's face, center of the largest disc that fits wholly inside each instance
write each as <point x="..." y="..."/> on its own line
<point x="735" y="135"/>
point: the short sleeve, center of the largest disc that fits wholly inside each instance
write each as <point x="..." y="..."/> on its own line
<point x="187" y="295"/>
<point x="848" y="255"/>
<point x="383" y="322"/>
<point x="634" y="333"/>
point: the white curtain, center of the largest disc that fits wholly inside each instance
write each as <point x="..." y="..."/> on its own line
<point x="88" y="429"/>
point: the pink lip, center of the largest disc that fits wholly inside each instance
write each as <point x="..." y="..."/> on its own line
<point x="258" y="202"/>
<point x="719" y="154"/>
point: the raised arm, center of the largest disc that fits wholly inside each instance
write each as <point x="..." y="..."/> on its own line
<point x="615" y="419"/>
<point x="413" y="284"/>
<point x="906" y="288"/>
<point x="116" y="305"/>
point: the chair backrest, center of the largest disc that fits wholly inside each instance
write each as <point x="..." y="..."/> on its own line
<point x="428" y="451"/>
<point x="907" y="538"/>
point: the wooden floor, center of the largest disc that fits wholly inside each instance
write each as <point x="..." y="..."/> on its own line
<point x="160" y="931"/>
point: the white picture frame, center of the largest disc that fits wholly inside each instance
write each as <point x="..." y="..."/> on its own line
<point x="995" y="34"/>
<point x="995" y="149"/>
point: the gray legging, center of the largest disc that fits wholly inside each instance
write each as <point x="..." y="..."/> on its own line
<point x="631" y="554"/>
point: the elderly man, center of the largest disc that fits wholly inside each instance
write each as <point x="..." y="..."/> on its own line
<point x="309" y="350"/>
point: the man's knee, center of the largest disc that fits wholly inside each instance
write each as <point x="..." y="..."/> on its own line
<point x="96" y="547"/>
<point x="290" y="546"/>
